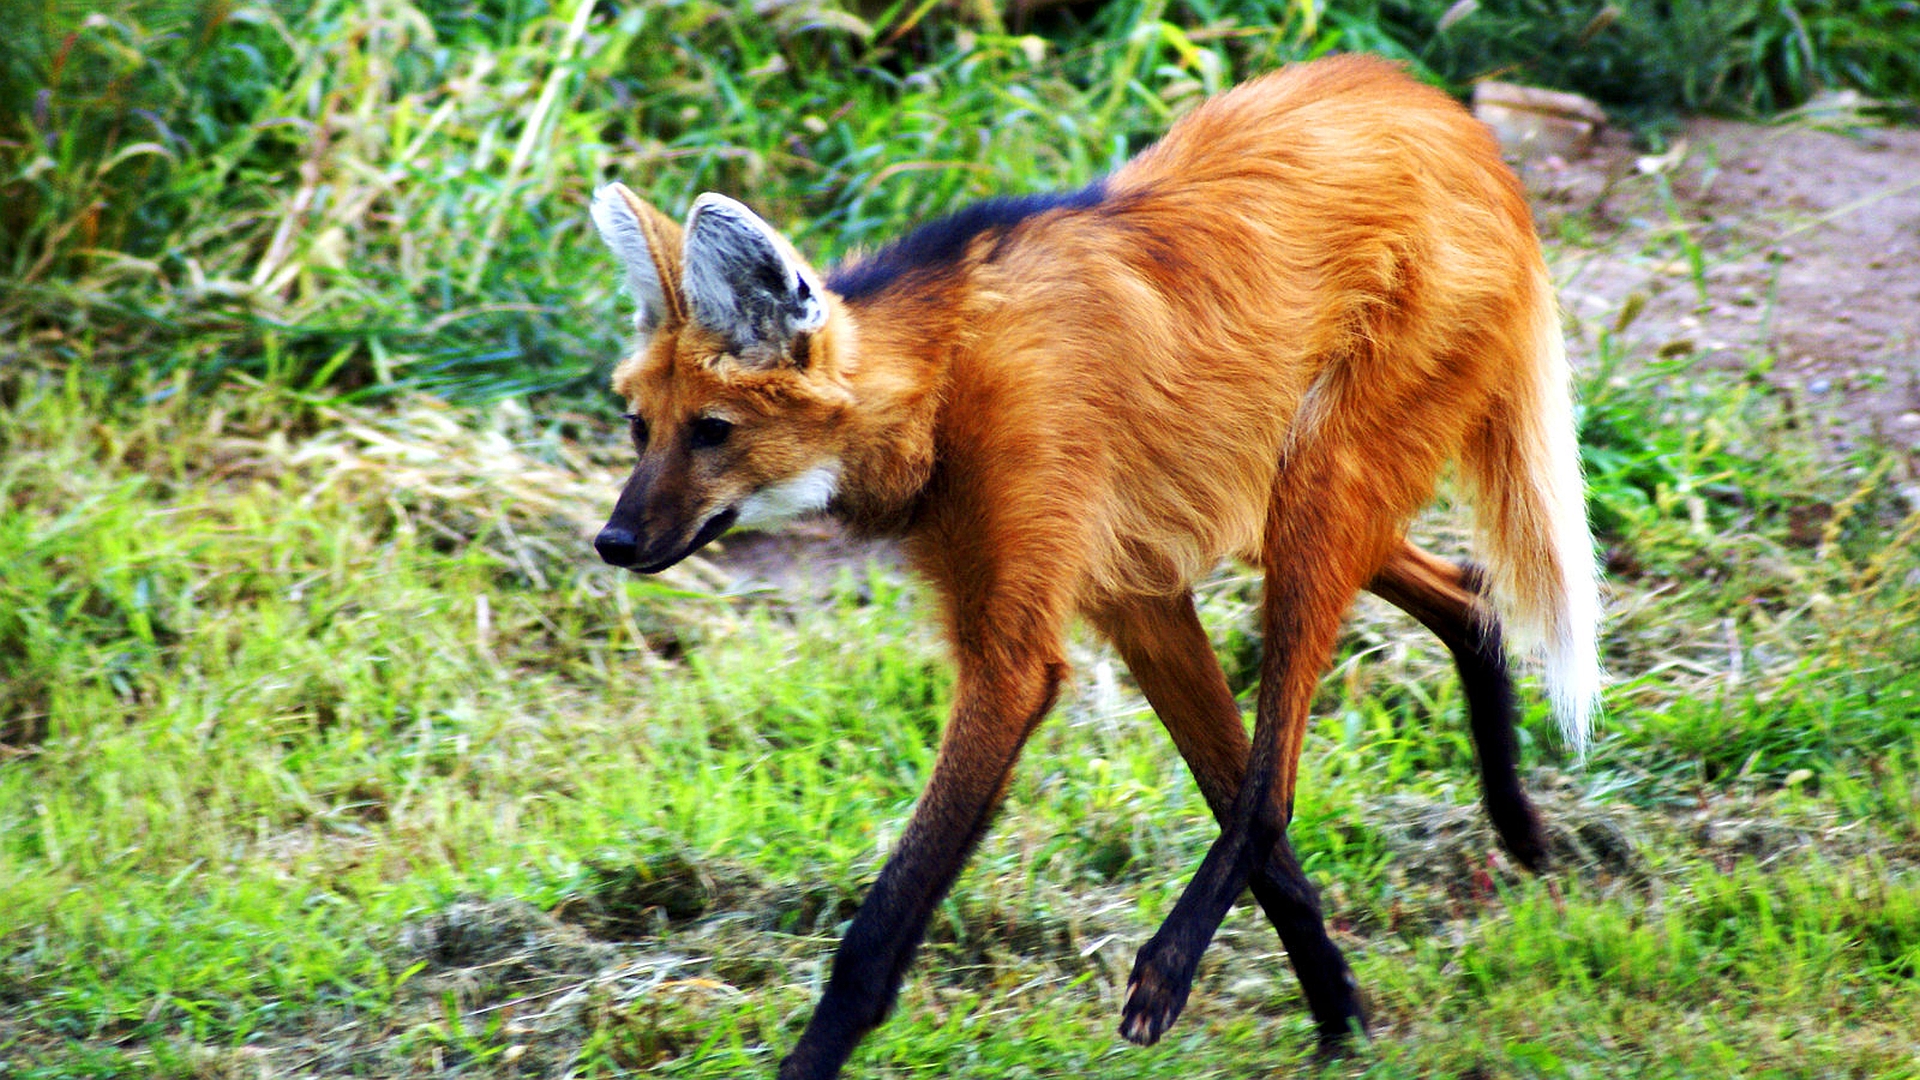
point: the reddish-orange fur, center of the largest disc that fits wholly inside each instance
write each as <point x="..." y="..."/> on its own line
<point x="1266" y="341"/>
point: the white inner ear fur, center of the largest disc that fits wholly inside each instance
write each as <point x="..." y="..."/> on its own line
<point x="811" y="490"/>
<point x="729" y="251"/>
<point x="618" y="226"/>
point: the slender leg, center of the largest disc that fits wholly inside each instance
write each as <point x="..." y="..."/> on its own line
<point x="1167" y="650"/>
<point x="1314" y="563"/>
<point x="1164" y="646"/>
<point x="996" y="706"/>
<point x="1446" y="599"/>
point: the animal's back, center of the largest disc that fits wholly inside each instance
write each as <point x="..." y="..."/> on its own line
<point x="1328" y="237"/>
<point x="1342" y="185"/>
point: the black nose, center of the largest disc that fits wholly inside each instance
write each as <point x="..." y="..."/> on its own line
<point x="617" y="545"/>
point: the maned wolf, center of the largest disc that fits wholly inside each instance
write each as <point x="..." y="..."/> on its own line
<point x="1263" y="338"/>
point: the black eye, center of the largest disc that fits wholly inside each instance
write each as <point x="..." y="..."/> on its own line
<point x="637" y="427"/>
<point x="707" y="432"/>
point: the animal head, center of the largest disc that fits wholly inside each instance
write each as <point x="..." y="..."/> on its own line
<point x="736" y="395"/>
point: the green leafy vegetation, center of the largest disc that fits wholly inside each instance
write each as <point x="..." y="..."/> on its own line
<point x="367" y="198"/>
<point x="1649" y="57"/>
<point x="327" y="748"/>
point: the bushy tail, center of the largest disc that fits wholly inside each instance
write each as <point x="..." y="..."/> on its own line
<point x="1521" y="469"/>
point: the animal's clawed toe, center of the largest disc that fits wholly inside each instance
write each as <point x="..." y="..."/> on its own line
<point x="1155" y="997"/>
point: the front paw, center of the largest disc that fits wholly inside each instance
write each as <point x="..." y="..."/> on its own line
<point x="1156" y="993"/>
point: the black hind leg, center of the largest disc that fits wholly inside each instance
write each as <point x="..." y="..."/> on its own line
<point x="1446" y="599"/>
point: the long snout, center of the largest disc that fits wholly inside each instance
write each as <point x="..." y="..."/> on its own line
<point x="641" y="522"/>
<point x="659" y="519"/>
<point x="619" y="546"/>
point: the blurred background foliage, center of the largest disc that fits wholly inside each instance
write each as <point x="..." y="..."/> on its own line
<point x="349" y="198"/>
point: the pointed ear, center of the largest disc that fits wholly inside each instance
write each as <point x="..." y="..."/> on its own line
<point x="648" y="244"/>
<point x="744" y="282"/>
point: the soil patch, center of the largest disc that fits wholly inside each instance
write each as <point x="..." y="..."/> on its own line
<point x="1789" y="252"/>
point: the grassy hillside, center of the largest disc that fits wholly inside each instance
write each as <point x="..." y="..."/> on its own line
<point x="326" y="747"/>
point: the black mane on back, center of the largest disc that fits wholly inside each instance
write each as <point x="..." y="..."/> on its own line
<point x="941" y="243"/>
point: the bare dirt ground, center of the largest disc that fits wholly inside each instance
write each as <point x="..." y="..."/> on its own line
<point x="1805" y="267"/>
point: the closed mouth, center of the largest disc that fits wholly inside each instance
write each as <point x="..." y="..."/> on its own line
<point x="715" y="525"/>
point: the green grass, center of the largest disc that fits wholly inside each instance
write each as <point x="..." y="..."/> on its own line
<point x="363" y="200"/>
<point x="1646" y="58"/>
<point x="327" y="748"/>
<point x="312" y="730"/>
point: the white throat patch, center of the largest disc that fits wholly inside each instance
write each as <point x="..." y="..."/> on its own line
<point x="811" y="490"/>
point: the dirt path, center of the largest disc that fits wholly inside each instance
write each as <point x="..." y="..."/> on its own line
<point x="1808" y="260"/>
